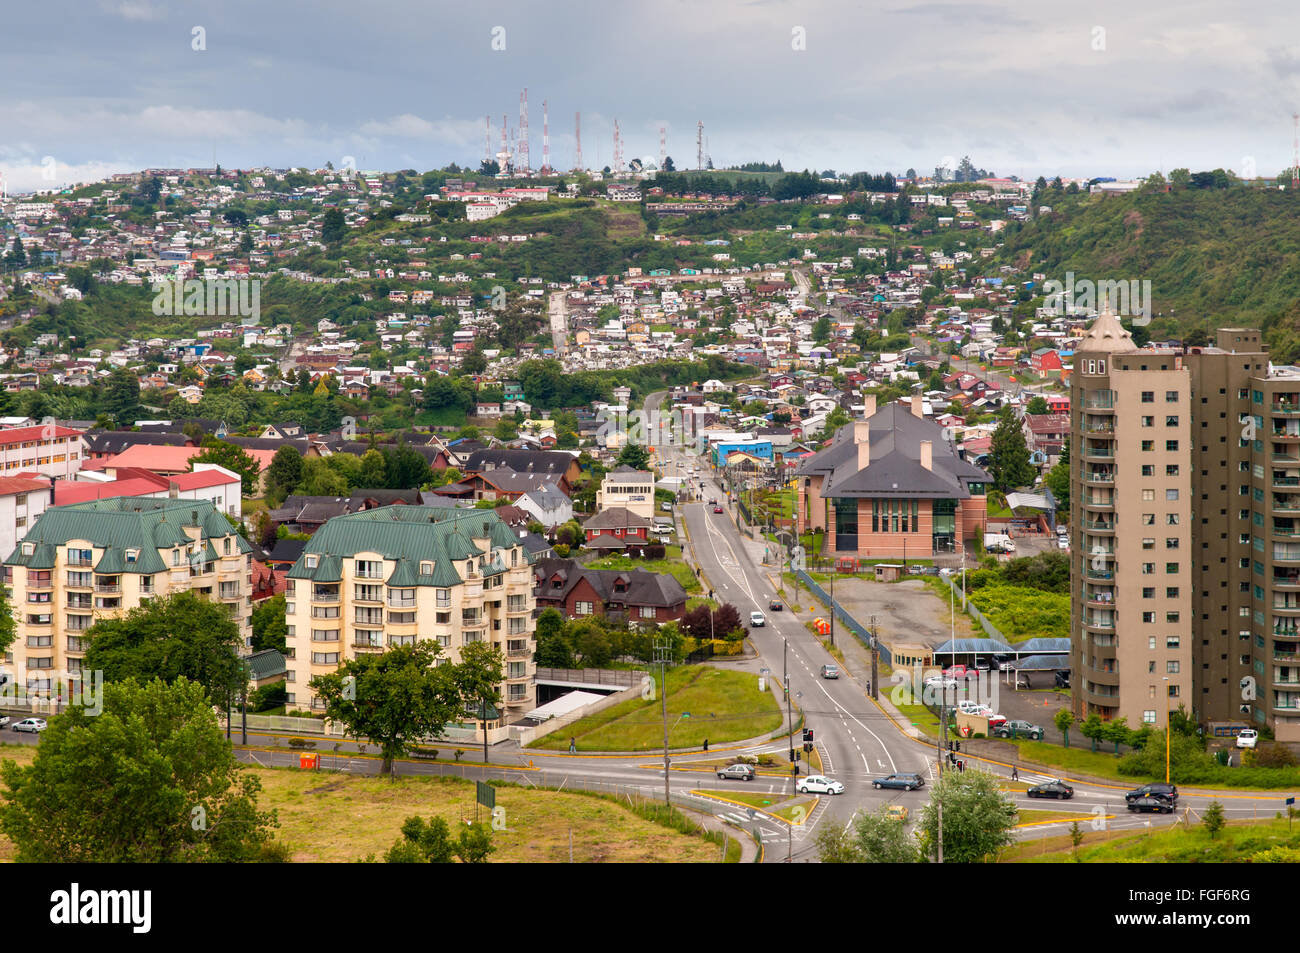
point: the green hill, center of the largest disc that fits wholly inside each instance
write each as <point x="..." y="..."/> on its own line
<point x="1214" y="257"/>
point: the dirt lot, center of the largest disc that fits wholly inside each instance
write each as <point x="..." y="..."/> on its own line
<point x="905" y="611"/>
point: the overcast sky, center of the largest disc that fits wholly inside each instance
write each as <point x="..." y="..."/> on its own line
<point x="1025" y="88"/>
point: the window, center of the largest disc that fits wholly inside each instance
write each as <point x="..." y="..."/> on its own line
<point x="310" y="561"/>
<point x="1148" y="397"/>
<point x="1148" y="496"/>
<point x="1171" y="617"/>
<point x="1148" y="592"/>
<point x="1148" y="470"/>
<point x="1171" y="397"/>
<point x="1172" y="641"/>
<point x="1151" y="643"/>
<point x="1148" y="519"/>
<point x="647" y="612"/>
<point x="1171" y="421"/>
<point x="1171" y="496"/>
<point x="1171" y="592"/>
<point x="1148" y="569"/>
<point x="1172" y="468"/>
<point x="1148" y="617"/>
<point x="1171" y="519"/>
<point x="325" y="658"/>
<point x="1148" y="421"/>
<point x="442" y="597"/>
<point x="1171" y="446"/>
<point x="1148" y="544"/>
<point x="583" y="608"/>
<point x="1171" y="542"/>
<point x="1171" y="668"/>
<point x="426" y="568"/>
<point x="1149" y="717"/>
<point x="1148" y="445"/>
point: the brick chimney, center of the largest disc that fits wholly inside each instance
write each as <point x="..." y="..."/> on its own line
<point x="862" y="437"/>
<point x="918" y="406"/>
<point x="870" y="409"/>
<point x="927" y="454"/>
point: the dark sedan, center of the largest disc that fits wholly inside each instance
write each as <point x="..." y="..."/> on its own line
<point x="1057" y="789"/>
<point x="1151" y="805"/>
<point x="906" y="782"/>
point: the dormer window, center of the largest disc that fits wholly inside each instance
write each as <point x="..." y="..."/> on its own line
<point x="311" y="562"/>
<point x="132" y="555"/>
<point x="426" y="568"/>
<point x="29" y="549"/>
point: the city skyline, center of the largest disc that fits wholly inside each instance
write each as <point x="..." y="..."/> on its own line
<point x="1023" y="91"/>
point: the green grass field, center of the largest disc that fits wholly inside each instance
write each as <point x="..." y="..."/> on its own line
<point x="1236" y="843"/>
<point x="723" y="706"/>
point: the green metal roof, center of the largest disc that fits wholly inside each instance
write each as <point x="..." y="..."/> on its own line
<point x="409" y="535"/>
<point x="118" y="524"/>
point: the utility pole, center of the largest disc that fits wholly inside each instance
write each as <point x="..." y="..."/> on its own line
<point x="832" y="602"/>
<point x="942" y="737"/>
<point x="875" y="655"/>
<point x="661" y="653"/>
<point x="794" y="765"/>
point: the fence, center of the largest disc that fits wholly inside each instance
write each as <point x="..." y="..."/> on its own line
<point x="991" y="630"/>
<point x="318" y="726"/>
<point x="621" y="678"/>
<point x="843" y="615"/>
<point x="527" y="734"/>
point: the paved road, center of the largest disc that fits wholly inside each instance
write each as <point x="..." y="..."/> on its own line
<point x="559" y="322"/>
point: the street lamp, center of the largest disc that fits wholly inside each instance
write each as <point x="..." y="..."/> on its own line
<point x="1168" y="727"/>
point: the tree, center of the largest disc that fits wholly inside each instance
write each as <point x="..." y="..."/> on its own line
<point x="553" y="648"/>
<point x="285" y="472"/>
<point x="1092" y="728"/>
<point x="422" y="843"/>
<point x="634" y="455"/>
<point x="1009" y="464"/>
<point x="233" y="458"/>
<point x="180" y="636"/>
<point x="977" y="819"/>
<point x="479" y="675"/>
<point x="149" y="779"/>
<point x="1116" y="731"/>
<point x="394" y="698"/>
<point x="121" y="396"/>
<point x="374" y="471"/>
<point x="334" y="227"/>
<point x="1063" y="719"/>
<point x="821" y="331"/>
<point x="1037" y="405"/>
<point x="1213" y="819"/>
<point x="1076" y="838"/>
<point x="270" y="631"/>
<point x="8" y="623"/>
<point x="875" y="838"/>
<point x="405" y="468"/>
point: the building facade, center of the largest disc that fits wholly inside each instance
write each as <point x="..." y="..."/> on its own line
<point x="396" y="575"/>
<point x="49" y="450"/>
<point x="1200" y="450"/>
<point x="90" y="561"/>
<point x="891" y="487"/>
<point x="633" y="490"/>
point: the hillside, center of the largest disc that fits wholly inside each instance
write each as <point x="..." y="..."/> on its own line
<point x="1214" y="257"/>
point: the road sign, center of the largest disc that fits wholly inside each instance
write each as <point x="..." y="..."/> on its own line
<point x="486" y="794"/>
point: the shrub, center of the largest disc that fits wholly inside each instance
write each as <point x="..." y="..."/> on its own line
<point x="301" y="743"/>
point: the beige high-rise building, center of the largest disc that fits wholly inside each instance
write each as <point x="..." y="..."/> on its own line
<point x="1185" y="504"/>
<point x="89" y="561"/>
<point x="394" y="575"/>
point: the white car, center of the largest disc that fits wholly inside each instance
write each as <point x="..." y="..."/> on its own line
<point x="941" y="681"/>
<point x="30" y="724"/>
<point x="1248" y="738"/>
<point x="1062" y="542"/>
<point x="970" y="707"/>
<point x="757" y="619"/>
<point x="819" y="784"/>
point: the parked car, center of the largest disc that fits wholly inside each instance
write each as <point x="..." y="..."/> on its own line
<point x="1062" y="679"/>
<point x="4" y="721"/>
<point x="1247" y="738"/>
<point x="1057" y="789"/>
<point x="30" y="724"/>
<point x="666" y="507"/>
<point x="1062" y="542"/>
<point x="896" y="812"/>
<point x="941" y="681"/>
<point x="957" y="671"/>
<point x="1156" y="789"/>
<point x="775" y="606"/>
<point x="757" y="618"/>
<point x="819" y="784"/>
<point x="906" y="782"/>
<point x="737" y="772"/>
<point x="1151" y="805"/>
<point x="968" y="706"/>
<point x="1022" y="729"/>
<point x="830" y="671"/>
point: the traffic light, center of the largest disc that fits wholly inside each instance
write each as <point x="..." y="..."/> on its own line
<point x="956" y="746"/>
<point x="949" y="744"/>
<point x="807" y="746"/>
<point x="807" y="736"/>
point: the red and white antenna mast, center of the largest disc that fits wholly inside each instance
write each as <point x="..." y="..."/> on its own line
<point x="487" y="140"/>
<point x="699" y="146"/>
<point x="1295" y="152"/>
<point x="503" y="157"/>
<point x="546" y="140"/>
<point x="618" y="150"/>
<point x="577" y="136"/>
<point x="522" y="152"/>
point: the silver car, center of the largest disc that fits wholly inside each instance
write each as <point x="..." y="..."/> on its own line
<point x="30" y="724"/>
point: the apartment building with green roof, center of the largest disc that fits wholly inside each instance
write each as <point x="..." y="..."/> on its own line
<point x="392" y="575"/>
<point x="99" y="559"/>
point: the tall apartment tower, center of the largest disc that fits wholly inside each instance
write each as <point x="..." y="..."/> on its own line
<point x="1186" y="582"/>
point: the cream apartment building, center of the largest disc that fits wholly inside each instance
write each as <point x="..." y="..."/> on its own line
<point x="89" y="561"/>
<point x="50" y="450"/>
<point x="395" y="575"/>
<point x="634" y="490"/>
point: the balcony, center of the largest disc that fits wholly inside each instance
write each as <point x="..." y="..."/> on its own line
<point x="1286" y="504"/>
<point x="1101" y="400"/>
<point x="1101" y="624"/>
<point x="1103" y="526"/>
<point x="1100" y="573"/>
<point x="1285" y="409"/>
<point x="108" y="589"/>
<point x="1287" y="480"/>
<point x="1104" y="599"/>
<point x="401" y="603"/>
<point x="1285" y="607"/>
<point x="1284" y="460"/>
<point x="1099" y="453"/>
<point x="1099" y="476"/>
<point x="1099" y="503"/>
<point x="1285" y="434"/>
<point x="1099" y="426"/>
<point x="519" y="653"/>
<point x="1286" y="582"/>
<point x="327" y="597"/>
<point x="368" y="646"/>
